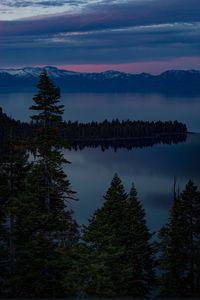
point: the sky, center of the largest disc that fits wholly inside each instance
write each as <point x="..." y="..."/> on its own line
<point x="96" y="35"/>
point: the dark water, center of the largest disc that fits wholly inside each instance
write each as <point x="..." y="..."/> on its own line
<point x="87" y="107"/>
<point x="152" y="169"/>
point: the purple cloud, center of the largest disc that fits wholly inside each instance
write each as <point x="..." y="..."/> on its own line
<point x="106" y="33"/>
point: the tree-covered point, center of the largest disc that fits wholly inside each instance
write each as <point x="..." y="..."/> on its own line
<point x="95" y="131"/>
<point x="119" y="130"/>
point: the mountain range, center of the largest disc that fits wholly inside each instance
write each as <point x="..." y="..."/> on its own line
<point x="170" y="82"/>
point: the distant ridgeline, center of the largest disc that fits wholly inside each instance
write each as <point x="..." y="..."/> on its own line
<point x="115" y="134"/>
<point x="172" y="82"/>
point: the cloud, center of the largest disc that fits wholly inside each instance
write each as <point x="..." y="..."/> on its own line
<point x="19" y="9"/>
<point x="131" y="43"/>
<point x="98" y="16"/>
<point x="38" y="3"/>
<point x="106" y="32"/>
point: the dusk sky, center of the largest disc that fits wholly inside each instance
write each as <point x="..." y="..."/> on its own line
<point x="96" y="35"/>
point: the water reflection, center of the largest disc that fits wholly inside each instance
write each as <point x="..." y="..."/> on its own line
<point x="129" y="144"/>
<point x="152" y="169"/>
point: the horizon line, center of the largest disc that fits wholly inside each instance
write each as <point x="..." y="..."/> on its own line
<point x="67" y="68"/>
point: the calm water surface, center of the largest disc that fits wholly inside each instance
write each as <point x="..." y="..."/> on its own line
<point x="152" y="169"/>
<point x="87" y="107"/>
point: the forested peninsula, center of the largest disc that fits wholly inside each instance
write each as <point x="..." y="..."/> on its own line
<point x="114" y="134"/>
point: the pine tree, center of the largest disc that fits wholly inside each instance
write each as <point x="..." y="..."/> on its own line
<point x="139" y="275"/>
<point x="120" y="253"/>
<point x="180" y="246"/>
<point x="48" y="138"/>
<point x="103" y="236"/>
<point x="45" y="225"/>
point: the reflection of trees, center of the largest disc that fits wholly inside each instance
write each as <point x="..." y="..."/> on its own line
<point x="125" y="134"/>
<point x="128" y="143"/>
<point x="115" y="134"/>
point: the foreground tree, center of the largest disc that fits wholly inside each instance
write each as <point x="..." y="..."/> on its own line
<point x="45" y="225"/>
<point x="140" y="251"/>
<point x="103" y="236"/>
<point x="180" y="246"/>
<point x="120" y="256"/>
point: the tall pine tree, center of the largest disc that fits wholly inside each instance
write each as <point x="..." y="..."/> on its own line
<point x="45" y="225"/>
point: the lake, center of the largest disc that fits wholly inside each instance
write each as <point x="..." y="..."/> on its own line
<point x="152" y="169"/>
<point x="88" y="107"/>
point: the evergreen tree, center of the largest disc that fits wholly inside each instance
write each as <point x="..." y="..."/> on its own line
<point x="103" y="237"/>
<point x="120" y="255"/>
<point x="140" y="266"/>
<point x="45" y="225"/>
<point x="180" y="246"/>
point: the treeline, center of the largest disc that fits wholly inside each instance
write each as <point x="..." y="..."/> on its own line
<point x="119" y="258"/>
<point x="115" y="134"/>
<point x="44" y="253"/>
<point x="125" y="134"/>
<point x="120" y="130"/>
<point x="113" y="256"/>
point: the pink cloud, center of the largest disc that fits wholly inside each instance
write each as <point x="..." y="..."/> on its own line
<point x="154" y="67"/>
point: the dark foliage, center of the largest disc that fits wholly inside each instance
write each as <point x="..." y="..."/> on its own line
<point x="38" y="231"/>
<point x="120" y="255"/>
<point x="117" y="130"/>
<point x="41" y="253"/>
<point x="115" y="134"/>
<point x="180" y="246"/>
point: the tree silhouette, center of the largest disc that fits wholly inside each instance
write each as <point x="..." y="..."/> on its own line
<point x="47" y="230"/>
<point x="180" y="246"/>
<point x="120" y="255"/>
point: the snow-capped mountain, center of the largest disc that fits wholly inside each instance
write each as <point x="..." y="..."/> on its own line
<point x="35" y="72"/>
<point x="114" y="74"/>
<point x="172" y="81"/>
<point x="56" y="73"/>
<point x="179" y="73"/>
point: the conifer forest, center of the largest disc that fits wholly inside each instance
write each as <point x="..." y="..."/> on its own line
<point x="46" y="253"/>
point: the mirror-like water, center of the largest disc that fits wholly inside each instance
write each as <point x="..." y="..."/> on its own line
<point x="152" y="169"/>
<point x="98" y="107"/>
